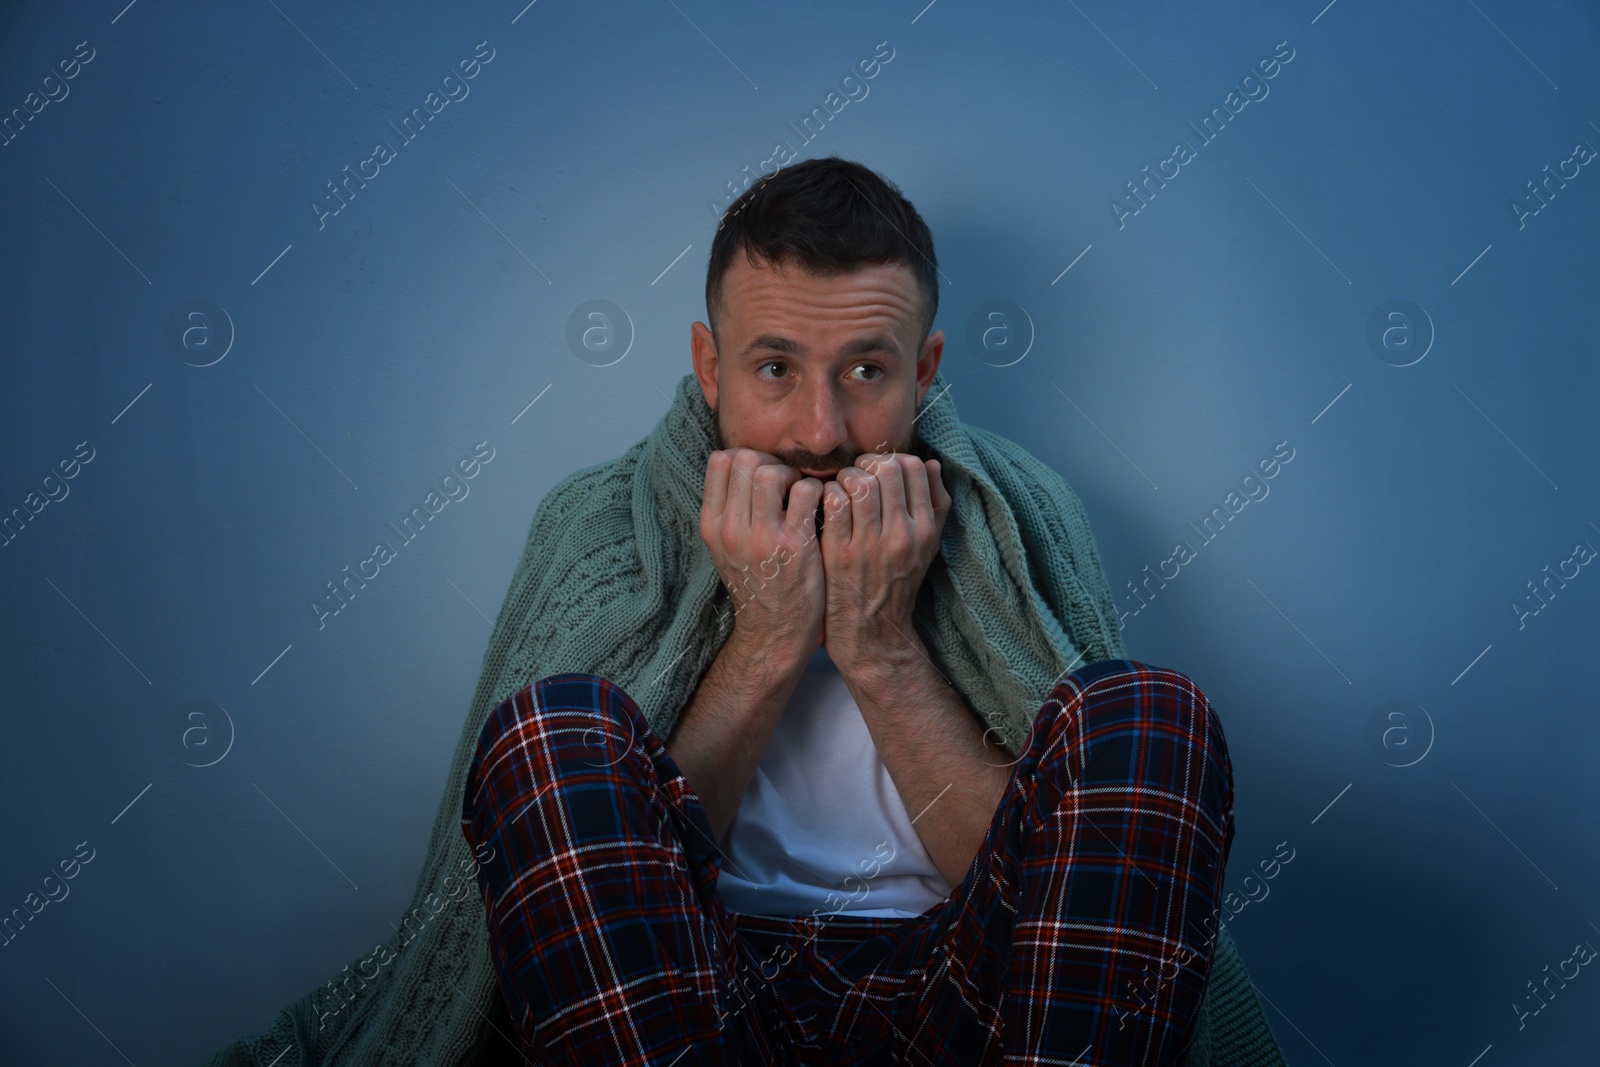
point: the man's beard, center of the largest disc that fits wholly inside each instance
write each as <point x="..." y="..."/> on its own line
<point x="803" y="461"/>
<point x="809" y="461"/>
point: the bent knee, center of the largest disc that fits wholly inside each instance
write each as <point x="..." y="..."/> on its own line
<point x="546" y="705"/>
<point x="1121" y="700"/>
<point x="557" y="726"/>
<point x="573" y="720"/>
<point x="1127" y="725"/>
<point x="1132" y="689"/>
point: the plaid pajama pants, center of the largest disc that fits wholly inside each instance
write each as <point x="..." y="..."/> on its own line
<point x="1082" y="933"/>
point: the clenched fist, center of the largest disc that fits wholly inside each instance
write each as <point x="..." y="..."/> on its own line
<point x="884" y="519"/>
<point x="767" y="555"/>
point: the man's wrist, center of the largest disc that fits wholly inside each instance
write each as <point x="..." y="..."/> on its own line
<point x="881" y="661"/>
<point x="773" y="659"/>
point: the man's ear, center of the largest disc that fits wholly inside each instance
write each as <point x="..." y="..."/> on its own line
<point x="704" y="348"/>
<point x="928" y="363"/>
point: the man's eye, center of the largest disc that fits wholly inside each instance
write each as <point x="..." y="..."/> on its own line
<point x="876" y="371"/>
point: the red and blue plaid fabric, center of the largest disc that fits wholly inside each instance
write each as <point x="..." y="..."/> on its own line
<point x="1082" y="933"/>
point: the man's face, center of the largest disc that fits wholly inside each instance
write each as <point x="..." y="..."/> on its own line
<point x="816" y="371"/>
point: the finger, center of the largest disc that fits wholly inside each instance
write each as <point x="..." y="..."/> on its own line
<point x="836" y="526"/>
<point x="941" y="495"/>
<point x="737" y="512"/>
<point x="744" y="485"/>
<point x="714" y="497"/>
<point x="919" y="500"/>
<point x="889" y="485"/>
<point x="866" y="516"/>
<point x="804" y="496"/>
<point x="772" y="481"/>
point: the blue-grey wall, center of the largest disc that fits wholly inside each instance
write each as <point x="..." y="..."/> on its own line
<point x="1351" y="283"/>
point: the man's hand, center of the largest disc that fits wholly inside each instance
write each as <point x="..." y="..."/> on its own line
<point x="767" y="557"/>
<point x="883" y="520"/>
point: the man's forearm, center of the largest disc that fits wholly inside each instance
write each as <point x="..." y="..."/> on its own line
<point x="719" y="737"/>
<point x="949" y="776"/>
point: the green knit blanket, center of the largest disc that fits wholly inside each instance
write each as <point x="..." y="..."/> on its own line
<point x="615" y="580"/>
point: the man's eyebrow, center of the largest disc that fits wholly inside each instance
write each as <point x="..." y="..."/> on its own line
<point x="770" y="342"/>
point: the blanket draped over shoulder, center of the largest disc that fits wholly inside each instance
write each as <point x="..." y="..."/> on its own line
<point x="615" y="580"/>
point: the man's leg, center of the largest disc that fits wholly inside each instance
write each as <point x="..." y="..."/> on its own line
<point x="595" y="887"/>
<point x="1084" y="930"/>
<point x="1122" y="845"/>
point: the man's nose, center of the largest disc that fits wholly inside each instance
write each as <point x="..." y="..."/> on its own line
<point x="820" y="425"/>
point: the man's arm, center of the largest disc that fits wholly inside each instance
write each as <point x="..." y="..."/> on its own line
<point x="950" y="776"/>
<point x="755" y="512"/>
<point x="885" y="516"/>
<point x="721" y="734"/>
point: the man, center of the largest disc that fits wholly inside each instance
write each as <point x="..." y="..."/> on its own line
<point x="878" y="613"/>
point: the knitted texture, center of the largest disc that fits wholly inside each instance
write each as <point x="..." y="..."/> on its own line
<point x="1238" y="1033"/>
<point x="615" y="580"/>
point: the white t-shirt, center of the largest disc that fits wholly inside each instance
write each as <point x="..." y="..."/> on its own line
<point x="821" y="828"/>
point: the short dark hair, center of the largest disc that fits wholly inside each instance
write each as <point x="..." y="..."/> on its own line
<point x="831" y="216"/>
